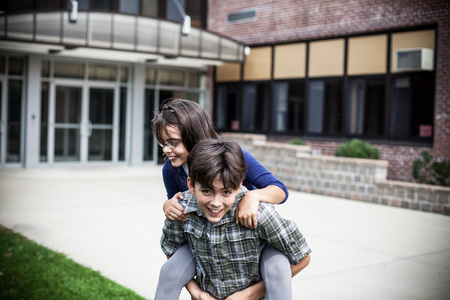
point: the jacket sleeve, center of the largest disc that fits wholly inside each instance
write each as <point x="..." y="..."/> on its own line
<point x="259" y="177"/>
<point x="170" y="180"/>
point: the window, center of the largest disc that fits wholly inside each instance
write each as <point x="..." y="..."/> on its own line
<point x="325" y="107"/>
<point x="255" y="111"/>
<point x="343" y="87"/>
<point x="68" y="70"/>
<point x="289" y="106"/>
<point x="244" y="15"/>
<point x="102" y="72"/>
<point x="412" y="102"/>
<point x="105" y="5"/>
<point x="228" y="107"/>
<point x="129" y="6"/>
<point x="196" y="9"/>
<point x="366" y="107"/>
<point x="167" y="77"/>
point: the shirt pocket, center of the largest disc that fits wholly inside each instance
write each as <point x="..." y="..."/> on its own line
<point x="195" y="234"/>
<point x="242" y="252"/>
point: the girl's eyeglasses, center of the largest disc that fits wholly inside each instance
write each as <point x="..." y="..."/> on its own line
<point x="171" y="145"/>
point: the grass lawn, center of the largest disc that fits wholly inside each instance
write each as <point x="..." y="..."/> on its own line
<point x="30" y="271"/>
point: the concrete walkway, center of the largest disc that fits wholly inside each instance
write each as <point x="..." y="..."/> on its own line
<point x="110" y="219"/>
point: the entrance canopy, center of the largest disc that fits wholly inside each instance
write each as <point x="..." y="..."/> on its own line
<point x="115" y="37"/>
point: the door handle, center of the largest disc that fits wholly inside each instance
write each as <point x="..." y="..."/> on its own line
<point x="89" y="128"/>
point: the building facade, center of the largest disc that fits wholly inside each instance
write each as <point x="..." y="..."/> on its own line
<point x="80" y="81"/>
<point x="330" y="71"/>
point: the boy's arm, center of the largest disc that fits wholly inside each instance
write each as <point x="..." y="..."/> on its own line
<point x="295" y="269"/>
<point x="196" y="292"/>
<point x="284" y="235"/>
<point x="256" y="291"/>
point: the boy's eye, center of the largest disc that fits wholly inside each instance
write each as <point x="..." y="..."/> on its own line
<point x="206" y="191"/>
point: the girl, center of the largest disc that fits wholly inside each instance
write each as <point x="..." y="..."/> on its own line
<point x="178" y="127"/>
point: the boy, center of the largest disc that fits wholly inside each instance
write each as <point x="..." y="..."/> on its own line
<point x="227" y="254"/>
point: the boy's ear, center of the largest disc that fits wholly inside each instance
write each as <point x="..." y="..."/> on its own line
<point x="190" y="185"/>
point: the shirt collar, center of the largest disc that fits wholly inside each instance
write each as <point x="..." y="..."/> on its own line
<point x="192" y="206"/>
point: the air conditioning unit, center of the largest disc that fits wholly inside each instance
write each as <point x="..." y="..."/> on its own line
<point x="416" y="59"/>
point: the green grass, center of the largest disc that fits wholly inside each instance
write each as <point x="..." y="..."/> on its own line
<point x="30" y="271"/>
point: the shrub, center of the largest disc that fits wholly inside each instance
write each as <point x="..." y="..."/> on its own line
<point x="299" y="142"/>
<point x="358" y="149"/>
<point x="425" y="170"/>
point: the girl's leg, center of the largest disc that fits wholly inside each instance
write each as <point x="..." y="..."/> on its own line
<point x="175" y="273"/>
<point x="276" y="272"/>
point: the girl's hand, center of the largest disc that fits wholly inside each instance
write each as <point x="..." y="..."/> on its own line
<point x="247" y="210"/>
<point x="173" y="210"/>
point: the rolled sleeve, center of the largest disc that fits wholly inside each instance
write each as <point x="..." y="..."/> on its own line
<point x="281" y="233"/>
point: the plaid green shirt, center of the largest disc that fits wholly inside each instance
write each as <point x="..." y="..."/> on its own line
<point x="227" y="254"/>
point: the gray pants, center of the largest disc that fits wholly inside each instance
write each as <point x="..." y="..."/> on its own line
<point x="180" y="268"/>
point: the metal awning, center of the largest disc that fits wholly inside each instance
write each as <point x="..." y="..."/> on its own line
<point x="115" y="36"/>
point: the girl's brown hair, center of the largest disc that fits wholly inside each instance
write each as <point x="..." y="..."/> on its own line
<point x="190" y="119"/>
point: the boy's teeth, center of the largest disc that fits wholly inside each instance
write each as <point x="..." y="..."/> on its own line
<point x="215" y="211"/>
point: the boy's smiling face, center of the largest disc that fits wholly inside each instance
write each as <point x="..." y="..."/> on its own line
<point x="216" y="202"/>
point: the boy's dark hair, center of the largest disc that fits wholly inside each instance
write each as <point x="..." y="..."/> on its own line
<point x="189" y="117"/>
<point x="211" y="159"/>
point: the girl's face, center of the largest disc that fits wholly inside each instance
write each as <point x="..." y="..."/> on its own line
<point x="172" y="139"/>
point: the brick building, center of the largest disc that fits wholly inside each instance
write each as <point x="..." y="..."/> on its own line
<point x="329" y="71"/>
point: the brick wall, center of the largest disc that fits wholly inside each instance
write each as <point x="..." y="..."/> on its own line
<point x="400" y="158"/>
<point x="279" y="21"/>
<point x="355" y="179"/>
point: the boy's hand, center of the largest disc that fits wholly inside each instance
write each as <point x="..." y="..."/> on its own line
<point x="241" y="295"/>
<point x="247" y="210"/>
<point x="204" y="296"/>
<point x="173" y="210"/>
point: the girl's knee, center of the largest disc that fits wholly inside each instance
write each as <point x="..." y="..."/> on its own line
<point x="169" y="272"/>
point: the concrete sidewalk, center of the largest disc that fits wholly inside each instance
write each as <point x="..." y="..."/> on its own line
<point x="110" y="219"/>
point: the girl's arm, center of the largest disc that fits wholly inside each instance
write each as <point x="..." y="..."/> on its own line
<point x="172" y="209"/>
<point x="247" y="210"/>
<point x="268" y="189"/>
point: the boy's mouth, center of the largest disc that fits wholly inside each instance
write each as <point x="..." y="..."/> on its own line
<point x="215" y="211"/>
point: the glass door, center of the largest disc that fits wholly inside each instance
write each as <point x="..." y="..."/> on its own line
<point x="85" y="126"/>
<point x="67" y="129"/>
<point x="2" y="124"/>
<point x="101" y="124"/>
<point x="10" y="122"/>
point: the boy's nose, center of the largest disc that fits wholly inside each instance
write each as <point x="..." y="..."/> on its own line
<point x="216" y="200"/>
